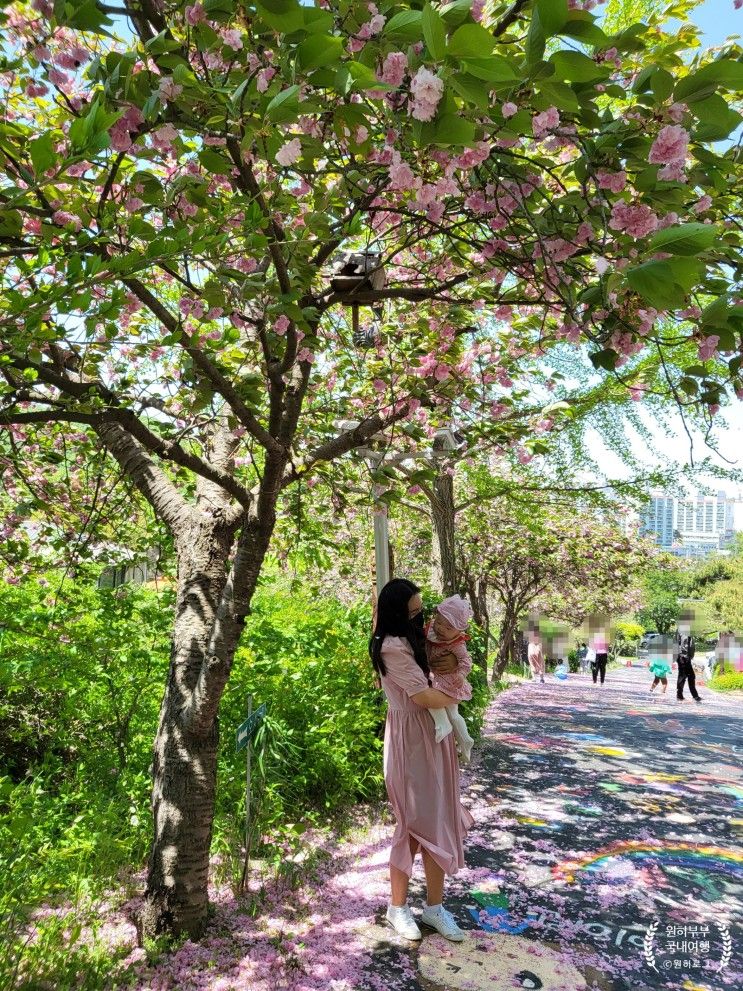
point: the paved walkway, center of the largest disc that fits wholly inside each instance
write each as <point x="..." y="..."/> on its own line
<point x="607" y="852"/>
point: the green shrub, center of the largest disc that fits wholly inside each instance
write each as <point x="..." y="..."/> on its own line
<point x="82" y="672"/>
<point x="729" y="682"/>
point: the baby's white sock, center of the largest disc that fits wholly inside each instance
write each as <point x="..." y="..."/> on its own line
<point x="441" y="723"/>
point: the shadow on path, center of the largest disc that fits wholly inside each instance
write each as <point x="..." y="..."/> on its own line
<point x="607" y="848"/>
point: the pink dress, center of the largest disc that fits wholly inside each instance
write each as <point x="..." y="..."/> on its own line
<point x="455" y="683"/>
<point x="422" y="776"/>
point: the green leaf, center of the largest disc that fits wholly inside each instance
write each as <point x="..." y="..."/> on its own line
<point x="452" y="129"/>
<point x="605" y="359"/>
<point x="559" y="95"/>
<point x="320" y="49"/>
<point x="665" y="284"/>
<point x="406" y="25"/>
<point x="725" y="73"/>
<point x="584" y="30"/>
<point x="284" y="106"/>
<point x="434" y="32"/>
<point x="493" y="69"/>
<point x="661" y="83"/>
<point x="470" y="89"/>
<point x="553" y="15"/>
<point x="42" y="153"/>
<point x="214" y="162"/>
<point x="536" y="41"/>
<point x="455" y="13"/>
<point x="86" y="16"/>
<point x="684" y="239"/>
<point x="471" y="41"/>
<point x="11" y="223"/>
<point x="576" y="67"/>
<point x="285" y="16"/>
<point x="716" y="119"/>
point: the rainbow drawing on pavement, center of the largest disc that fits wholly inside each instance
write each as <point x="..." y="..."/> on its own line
<point x="691" y="855"/>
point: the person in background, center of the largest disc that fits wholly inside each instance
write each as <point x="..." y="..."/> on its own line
<point x="686" y="649"/>
<point x="601" y="647"/>
<point x="535" y="655"/>
<point x="582" y="653"/>
<point x="661" y="662"/>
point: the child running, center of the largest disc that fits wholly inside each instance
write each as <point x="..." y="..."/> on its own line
<point x="661" y="663"/>
<point x="445" y="634"/>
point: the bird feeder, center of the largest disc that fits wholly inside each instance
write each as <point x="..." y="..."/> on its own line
<point x="354" y="274"/>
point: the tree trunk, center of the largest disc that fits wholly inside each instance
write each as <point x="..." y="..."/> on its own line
<point x="444" y="574"/>
<point x="185" y="758"/>
<point x="505" y="646"/>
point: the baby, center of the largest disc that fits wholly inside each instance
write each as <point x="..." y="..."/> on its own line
<point x="445" y="634"/>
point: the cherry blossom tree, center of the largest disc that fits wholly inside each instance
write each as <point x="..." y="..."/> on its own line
<point x="569" y="564"/>
<point x="175" y="182"/>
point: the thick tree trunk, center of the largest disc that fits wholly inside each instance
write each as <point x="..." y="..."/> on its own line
<point x="444" y="574"/>
<point x="185" y="758"/>
<point x="505" y="645"/>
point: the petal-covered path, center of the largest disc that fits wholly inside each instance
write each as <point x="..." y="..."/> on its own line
<point x="607" y="852"/>
<point x="606" y="856"/>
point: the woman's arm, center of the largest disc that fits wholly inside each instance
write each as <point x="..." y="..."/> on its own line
<point x="432" y="698"/>
<point x="444" y="663"/>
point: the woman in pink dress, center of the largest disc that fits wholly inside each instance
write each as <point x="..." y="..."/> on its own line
<point x="422" y="776"/>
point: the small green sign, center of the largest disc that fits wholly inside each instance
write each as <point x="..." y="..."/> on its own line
<point x="245" y="730"/>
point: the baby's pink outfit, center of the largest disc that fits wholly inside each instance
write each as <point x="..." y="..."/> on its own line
<point x="454" y="684"/>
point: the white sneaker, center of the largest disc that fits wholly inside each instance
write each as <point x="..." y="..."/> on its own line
<point x="443" y="922"/>
<point x="401" y="919"/>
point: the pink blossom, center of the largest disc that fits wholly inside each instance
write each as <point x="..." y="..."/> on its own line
<point x="57" y="78"/>
<point x="637" y="221"/>
<point x="305" y="355"/>
<point x="427" y="90"/>
<point x="264" y="78"/>
<point x="669" y="148"/>
<point x="290" y="152"/>
<point x="394" y="68"/>
<point x="281" y="325"/>
<point x="362" y="133"/>
<point x="232" y="38"/>
<point x="614" y="181"/>
<point x="637" y="392"/>
<point x="478" y="8"/>
<point x="524" y="456"/>
<point x="708" y="347"/>
<point x="168" y="90"/>
<point x="401" y="175"/>
<point x="703" y="203"/>
<point x="676" y="112"/>
<point x="372" y="27"/>
<point x="509" y="109"/>
<point x="36" y="89"/>
<point x="195" y="14"/>
<point x="548" y="120"/>
<point x="246" y="265"/>
<point x="738" y="4"/>
<point x="65" y="219"/>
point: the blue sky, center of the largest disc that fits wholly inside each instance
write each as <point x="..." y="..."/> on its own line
<point x="718" y="19"/>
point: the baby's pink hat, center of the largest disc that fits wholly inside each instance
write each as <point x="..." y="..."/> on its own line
<point x="456" y="611"/>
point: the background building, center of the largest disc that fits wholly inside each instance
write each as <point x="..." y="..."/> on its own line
<point x="691" y="526"/>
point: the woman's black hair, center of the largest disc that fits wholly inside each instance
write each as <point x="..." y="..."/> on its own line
<point x="393" y="620"/>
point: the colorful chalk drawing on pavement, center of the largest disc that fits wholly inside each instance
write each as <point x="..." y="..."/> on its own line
<point x="597" y="815"/>
<point x="689" y="855"/>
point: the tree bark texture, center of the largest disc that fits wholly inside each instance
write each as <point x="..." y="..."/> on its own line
<point x="443" y="514"/>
